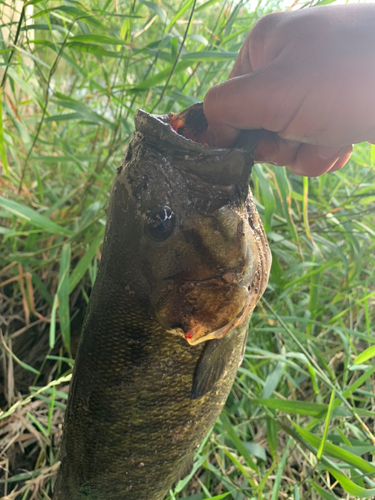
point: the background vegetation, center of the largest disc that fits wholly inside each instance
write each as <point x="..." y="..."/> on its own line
<point x="299" y="422"/>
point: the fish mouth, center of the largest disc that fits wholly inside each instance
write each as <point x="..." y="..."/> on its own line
<point x="183" y="135"/>
<point x="194" y="334"/>
<point x="191" y="123"/>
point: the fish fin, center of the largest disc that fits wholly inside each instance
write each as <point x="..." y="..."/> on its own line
<point x="211" y="365"/>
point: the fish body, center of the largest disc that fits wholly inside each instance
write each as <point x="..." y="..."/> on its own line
<point x="185" y="260"/>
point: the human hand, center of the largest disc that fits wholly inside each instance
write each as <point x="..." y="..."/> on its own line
<point x="307" y="78"/>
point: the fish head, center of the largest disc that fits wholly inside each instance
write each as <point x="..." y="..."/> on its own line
<point x="185" y="208"/>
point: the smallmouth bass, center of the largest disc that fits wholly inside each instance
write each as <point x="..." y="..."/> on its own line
<point x="185" y="260"/>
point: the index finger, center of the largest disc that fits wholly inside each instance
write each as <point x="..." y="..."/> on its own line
<point x="245" y="103"/>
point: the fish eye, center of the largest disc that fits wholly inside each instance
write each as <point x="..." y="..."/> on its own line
<point x="160" y="223"/>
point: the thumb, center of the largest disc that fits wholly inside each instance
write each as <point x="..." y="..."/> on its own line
<point x="312" y="160"/>
<point x="247" y="102"/>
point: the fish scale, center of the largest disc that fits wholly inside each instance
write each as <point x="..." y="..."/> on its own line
<point x="166" y="326"/>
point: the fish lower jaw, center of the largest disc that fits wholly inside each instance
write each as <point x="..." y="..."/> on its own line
<point x="217" y="334"/>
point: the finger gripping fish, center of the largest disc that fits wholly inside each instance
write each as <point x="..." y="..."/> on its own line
<point x="185" y="260"/>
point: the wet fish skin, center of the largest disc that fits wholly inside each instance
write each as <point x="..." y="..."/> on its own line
<point x="142" y="398"/>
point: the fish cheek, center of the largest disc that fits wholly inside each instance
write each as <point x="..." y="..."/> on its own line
<point x="213" y="243"/>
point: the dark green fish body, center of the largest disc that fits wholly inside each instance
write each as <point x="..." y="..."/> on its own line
<point x="185" y="260"/>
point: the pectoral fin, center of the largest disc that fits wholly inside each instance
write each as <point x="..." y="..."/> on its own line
<point x="212" y="364"/>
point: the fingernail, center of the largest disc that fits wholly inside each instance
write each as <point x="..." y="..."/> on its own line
<point x="341" y="162"/>
<point x="326" y="152"/>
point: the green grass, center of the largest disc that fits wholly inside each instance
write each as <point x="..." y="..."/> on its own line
<point x="299" y="423"/>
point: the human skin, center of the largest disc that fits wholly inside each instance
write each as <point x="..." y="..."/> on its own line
<point x="307" y="78"/>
